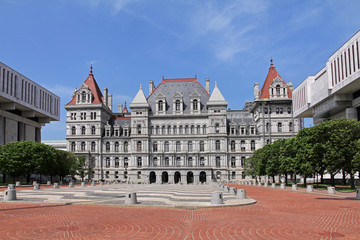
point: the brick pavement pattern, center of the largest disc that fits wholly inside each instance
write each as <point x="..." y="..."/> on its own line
<point x="278" y="214"/>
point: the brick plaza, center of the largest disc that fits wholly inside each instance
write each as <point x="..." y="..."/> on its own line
<point x="278" y="214"/>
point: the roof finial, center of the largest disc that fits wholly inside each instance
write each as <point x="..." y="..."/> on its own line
<point x="91" y="67"/>
<point x="271" y="62"/>
<point x="215" y="84"/>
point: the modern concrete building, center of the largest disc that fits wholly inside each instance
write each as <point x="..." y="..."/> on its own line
<point x="181" y="132"/>
<point x="334" y="92"/>
<point x="25" y="107"/>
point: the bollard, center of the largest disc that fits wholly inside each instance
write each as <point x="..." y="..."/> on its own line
<point x="130" y="198"/>
<point x="37" y="186"/>
<point x="266" y="184"/>
<point x="233" y="190"/>
<point x="108" y="183"/>
<point x="282" y="186"/>
<point x="259" y="184"/>
<point x="217" y="198"/>
<point x="358" y="193"/>
<point x="83" y="184"/>
<point x="309" y="188"/>
<point x="10" y="194"/>
<point x="254" y="183"/>
<point x="18" y="184"/>
<point x="101" y="183"/>
<point x="294" y="187"/>
<point x="241" y="193"/>
<point x="11" y="186"/>
<point x="61" y="183"/>
<point x="273" y="185"/>
<point x="71" y="184"/>
<point x="56" y="185"/>
<point x="48" y="183"/>
<point x="34" y="183"/>
<point x="93" y="183"/>
<point x="331" y="190"/>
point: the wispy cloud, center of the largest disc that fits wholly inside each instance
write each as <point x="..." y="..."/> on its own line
<point x="115" y="6"/>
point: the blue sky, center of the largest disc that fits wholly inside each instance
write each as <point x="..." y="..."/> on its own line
<point x="130" y="42"/>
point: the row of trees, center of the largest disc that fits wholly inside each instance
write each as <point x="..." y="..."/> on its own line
<point x="22" y="159"/>
<point x="330" y="147"/>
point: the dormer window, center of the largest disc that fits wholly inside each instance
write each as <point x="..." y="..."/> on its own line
<point x="177" y="105"/>
<point x="278" y="90"/>
<point x="161" y="105"/>
<point x="83" y="97"/>
<point x="195" y="105"/>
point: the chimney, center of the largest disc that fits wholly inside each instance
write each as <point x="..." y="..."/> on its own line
<point x="151" y="86"/>
<point x="105" y="96"/>
<point x="110" y="101"/>
<point x="291" y="86"/>
<point x="256" y="91"/>
<point x="120" y="108"/>
<point x="207" y="85"/>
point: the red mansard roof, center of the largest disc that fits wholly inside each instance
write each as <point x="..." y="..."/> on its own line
<point x="94" y="88"/>
<point x="264" y="93"/>
<point x="178" y="80"/>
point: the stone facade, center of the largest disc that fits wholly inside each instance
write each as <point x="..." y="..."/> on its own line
<point x="25" y="107"/>
<point x="179" y="133"/>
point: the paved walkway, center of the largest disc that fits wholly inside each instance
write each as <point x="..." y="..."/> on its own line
<point x="278" y="214"/>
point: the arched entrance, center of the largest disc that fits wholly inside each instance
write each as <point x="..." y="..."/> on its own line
<point x="190" y="177"/>
<point x="177" y="177"/>
<point x="202" y="177"/>
<point x="152" y="177"/>
<point x="218" y="175"/>
<point x="164" y="177"/>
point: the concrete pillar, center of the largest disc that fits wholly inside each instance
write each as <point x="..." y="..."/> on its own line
<point x="130" y="198"/>
<point x="18" y="184"/>
<point x="217" y="198"/>
<point x="83" y="184"/>
<point x="241" y="193"/>
<point x="266" y="184"/>
<point x="48" y="183"/>
<point x="294" y="187"/>
<point x="331" y="190"/>
<point x="273" y="185"/>
<point x="233" y="190"/>
<point x="56" y="185"/>
<point x="358" y="193"/>
<point x="10" y="194"/>
<point x="282" y="186"/>
<point x="309" y="188"/>
<point x="71" y="184"/>
<point x="93" y="183"/>
<point x="34" y="183"/>
<point x="37" y="186"/>
<point x="259" y="184"/>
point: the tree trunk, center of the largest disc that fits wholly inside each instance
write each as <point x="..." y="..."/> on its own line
<point x="4" y="177"/>
<point x="344" y="177"/>
<point x="321" y="178"/>
<point x="352" y="180"/>
<point x="286" y="179"/>
<point x="295" y="178"/>
<point x="27" y="178"/>
<point x="332" y="179"/>
<point x="305" y="180"/>
<point x="273" y="178"/>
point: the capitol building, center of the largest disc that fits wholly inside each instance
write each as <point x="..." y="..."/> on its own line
<point x="182" y="132"/>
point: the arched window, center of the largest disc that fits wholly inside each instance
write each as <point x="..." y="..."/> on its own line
<point x="107" y="162"/>
<point x="232" y="145"/>
<point x="161" y="106"/>
<point x="93" y="130"/>
<point x="116" y="146"/>
<point x="83" y="96"/>
<point x="138" y="128"/>
<point x="202" y="162"/>
<point x="167" y="161"/>
<point x="126" y="147"/>
<point x="181" y="129"/>
<point x="107" y="147"/>
<point x="192" y="129"/>
<point x="178" y="146"/>
<point x="175" y="130"/>
<point x="73" y="130"/>
<point x="155" y="146"/>
<point x="155" y="162"/>
<point x="243" y="145"/>
<point x="190" y="146"/>
<point x="83" y="129"/>
<point x="139" y="146"/>
<point x="278" y="90"/>
<point x="139" y="162"/>
<point x="157" y="130"/>
<point x="186" y="129"/>
<point x="163" y="130"/>
<point x="116" y="162"/>
<point x="198" y="129"/>
<point x="190" y="162"/>
<point x="217" y="128"/>
<point x="267" y="127"/>
<point x="195" y="105"/>
<point x="177" y="105"/>
<point x="252" y="145"/>
<point x="233" y="162"/>
<point x="178" y="161"/>
<point x="202" y="146"/>
<point x="126" y="162"/>
<point x="73" y="146"/>
<point x="204" y="129"/>
<point x="218" y="162"/>
<point x="166" y="146"/>
<point x="169" y="130"/>
<point x="217" y="145"/>
<point x="82" y="146"/>
<point x="279" y="127"/>
<point x="93" y="146"/>
<point x="290" y="127"/>
<point x="243" y="161"/>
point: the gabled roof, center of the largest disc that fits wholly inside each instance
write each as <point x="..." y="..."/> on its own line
<point x="216" y="97"/>
<point x="93" y="87"/>
<point x="139" y="99"/>
<point x="272" y="74"/>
